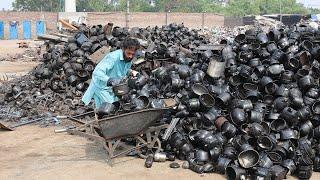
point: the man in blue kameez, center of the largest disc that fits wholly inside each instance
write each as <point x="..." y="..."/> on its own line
<point x="113" y="67"/>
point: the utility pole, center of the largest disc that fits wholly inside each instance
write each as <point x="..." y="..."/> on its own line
<point x="127" y="14"/>
<point x="280" y="6"/>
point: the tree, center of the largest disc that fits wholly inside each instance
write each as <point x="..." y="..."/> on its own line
<point x="136" y="6"/>
<point x="234" y="8"/>
<point x="38" y="5"/>
<point x="242" y="8"/>
<point x="179" y="5"/>
<point x="212" y="6"/>
<point x="254" y="7"/>
<point x="313" y="11"/>
<point x="93" y="5"/>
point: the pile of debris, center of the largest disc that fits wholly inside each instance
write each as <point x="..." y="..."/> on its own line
<point x="247" y="108"/>
<point x="57" y="84"/>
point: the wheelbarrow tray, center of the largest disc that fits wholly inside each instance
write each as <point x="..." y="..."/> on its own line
<point x="129" y="124"/>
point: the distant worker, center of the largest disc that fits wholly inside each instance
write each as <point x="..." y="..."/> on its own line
<point x="112" y="68"/>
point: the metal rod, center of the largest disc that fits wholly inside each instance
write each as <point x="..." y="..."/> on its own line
<point x="280" y="6"/>
<point x="74" y="118"/>
<point x="28" y="122"/>
<point x="86" y="113"/>
<point x="129" y="150"/>
<point x="202" y="24"/>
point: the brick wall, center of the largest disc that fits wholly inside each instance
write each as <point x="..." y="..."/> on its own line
<point x="94" y="18"/>
<point x="50" y="19"/>
<point x="137" y="19"/>
<point x="144" y="19"/>
<point x="233" y="21"/>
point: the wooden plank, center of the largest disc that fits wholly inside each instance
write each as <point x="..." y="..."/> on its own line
<point x="53" y="38"/>
<point x="61" y="35"/>
<point x="68" y="25"/>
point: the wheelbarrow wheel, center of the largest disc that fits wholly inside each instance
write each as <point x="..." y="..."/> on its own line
<point x="154" y="147"/>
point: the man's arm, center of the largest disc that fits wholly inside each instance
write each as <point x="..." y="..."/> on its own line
<point x="100" y="72"/>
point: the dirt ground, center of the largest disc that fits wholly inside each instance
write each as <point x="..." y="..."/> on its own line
<point x="32" y="152"/>
<point x="8" y="50"/>
<point x="16" y="67"/>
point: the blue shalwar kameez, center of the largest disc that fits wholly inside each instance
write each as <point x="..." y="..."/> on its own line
<point x="112" y="66"/>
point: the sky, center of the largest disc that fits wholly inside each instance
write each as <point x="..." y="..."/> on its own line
<point x="6" y="4"/>
<point x="310" y="3"/>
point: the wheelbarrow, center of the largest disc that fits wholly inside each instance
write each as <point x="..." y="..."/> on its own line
<point x="139" y="125"/>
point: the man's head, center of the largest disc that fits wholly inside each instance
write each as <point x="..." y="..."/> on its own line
<point x="129" y="47"/>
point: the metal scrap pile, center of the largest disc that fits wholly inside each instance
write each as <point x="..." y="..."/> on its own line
<point x="246" y="108"/>
<point x="57" y="84"/>
<point x="250" y="110"/>
<point x="262" y="118"/>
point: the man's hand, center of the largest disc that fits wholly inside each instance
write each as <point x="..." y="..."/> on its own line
<point x="112" y="82"/>
<point x="134" y="73"/>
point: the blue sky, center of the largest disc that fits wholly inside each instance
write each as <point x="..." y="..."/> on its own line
<point x="6" y="4"/>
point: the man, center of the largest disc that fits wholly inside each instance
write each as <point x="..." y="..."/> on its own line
<point x="113" y="67"/>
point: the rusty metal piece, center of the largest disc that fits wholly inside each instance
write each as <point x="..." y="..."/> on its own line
<point x="5" y="127"/>
<point x="107" y="29"/>
<point x="23" y="44"/>
<point x="12" y="127"/>
<point x="219" y="122"/>
<point x="170" y="128"/>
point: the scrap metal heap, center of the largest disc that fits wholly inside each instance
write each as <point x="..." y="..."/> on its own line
<point x="248" y="107"/>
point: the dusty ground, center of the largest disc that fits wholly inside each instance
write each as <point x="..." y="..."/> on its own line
<point x="16" y="67"/>
<point x="9" y="50"/>
<point x="32" y="152"/>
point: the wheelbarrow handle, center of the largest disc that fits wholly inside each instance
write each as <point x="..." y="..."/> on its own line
<point x="61" y="130"/>
<point x="64" y="129"/>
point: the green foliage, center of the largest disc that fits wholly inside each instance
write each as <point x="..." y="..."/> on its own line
<point x="136" y="6"/>
<point x="314" y="11"/>
<point x="38" y="5"/>
<point x="253" y="7"/>
<point x="95" y="5"/>
<point x="234" y="8"/>
<point x="248" y="7"/>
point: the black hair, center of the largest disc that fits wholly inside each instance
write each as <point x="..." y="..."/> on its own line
<point x="129" y="43"/>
